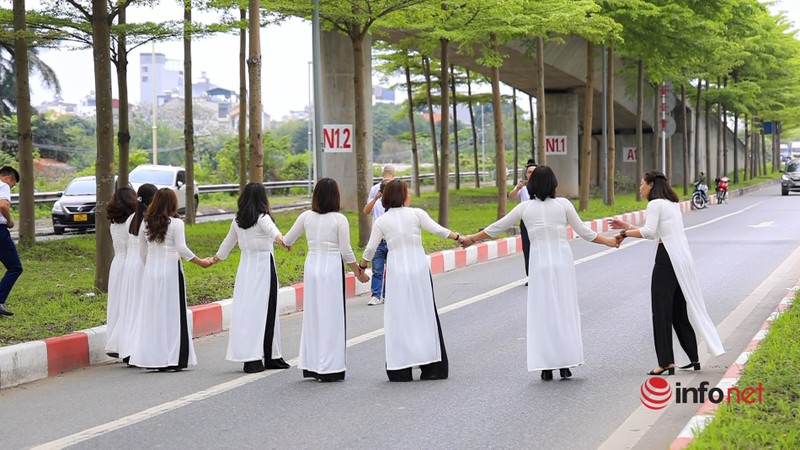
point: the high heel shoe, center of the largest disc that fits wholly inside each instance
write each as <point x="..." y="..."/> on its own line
<point x="547" y="375"/>
<point x="694" y="365"/>
<point x="663" y="372"/>
<point x="565" y="373"/>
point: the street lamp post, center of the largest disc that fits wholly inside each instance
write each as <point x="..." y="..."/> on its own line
<point x="155" y="103"/>
<point x="483" y="144"/>
<point x="310" y="126"/>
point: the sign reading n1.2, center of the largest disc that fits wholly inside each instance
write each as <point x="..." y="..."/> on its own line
<point x="629" y="154"/>
<point x="337" y="138"/>
<point x="555" y="145"/>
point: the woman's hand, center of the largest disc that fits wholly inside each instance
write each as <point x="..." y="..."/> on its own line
<point x="466" y="241"/>
<point x="619" y="225"/>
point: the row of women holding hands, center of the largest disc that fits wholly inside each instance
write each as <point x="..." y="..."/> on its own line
<point x="161" y="336"/>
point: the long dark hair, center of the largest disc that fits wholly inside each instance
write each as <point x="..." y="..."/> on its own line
<point x="543" y="183"/>
<point x="146" y="193"/>
<point x="122" y="205"/>
<point x="661" y="187"/>
<point x="159" y="214"/>
<point x="326" y="196"/>
<point x="253" y="203"/>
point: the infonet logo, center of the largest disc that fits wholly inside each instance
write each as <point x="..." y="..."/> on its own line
<point x="656" y="393"/>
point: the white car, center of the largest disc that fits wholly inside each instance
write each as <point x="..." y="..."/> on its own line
<point x="171" y="177"/>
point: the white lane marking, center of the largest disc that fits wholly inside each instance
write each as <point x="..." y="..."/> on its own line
<point x="761" y="225"/>
<point x="247" y="379"/>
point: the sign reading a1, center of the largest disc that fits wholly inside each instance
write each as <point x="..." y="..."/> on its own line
<point x="555" y="145"/>
<point x="337" y="138"/>
<point x="629" y="154"/>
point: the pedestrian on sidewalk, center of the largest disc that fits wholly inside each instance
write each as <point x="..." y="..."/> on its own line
<point x="131" y="284"/>
<point x="554" y="319"/>
<point x="122" y="205"/>
<point x="521" y="192"/>
<point x="376" y="208"/>
<point x="255" y="332"/>
<point x="322" y="342"/>
<point x="164" y="337"/>
<point x="676" y="298"/>
<point x="413" y="332"/>
<point x="9" y="177"/>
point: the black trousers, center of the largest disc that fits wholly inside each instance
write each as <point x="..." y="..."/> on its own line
<point x="526" y="244"/>
<point x="669" y="311"/>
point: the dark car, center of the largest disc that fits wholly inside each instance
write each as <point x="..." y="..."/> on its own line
<point x="75" y="208"/>
<point x="790" y="181"/>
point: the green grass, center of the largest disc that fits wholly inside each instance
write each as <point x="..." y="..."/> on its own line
<point x="50" y="299"/>
<point x="774" y="423"/>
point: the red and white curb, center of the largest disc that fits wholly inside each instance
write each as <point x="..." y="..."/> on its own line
<point x="707" y="411"/>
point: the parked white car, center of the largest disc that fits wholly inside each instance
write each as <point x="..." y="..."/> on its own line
<point x="171" y="177"/>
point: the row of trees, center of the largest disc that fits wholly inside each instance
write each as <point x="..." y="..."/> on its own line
<point x="743" y="55"/>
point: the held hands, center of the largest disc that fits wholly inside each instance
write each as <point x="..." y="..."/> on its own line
<point x="466" y="240"/>
<point x="10" y="223"/>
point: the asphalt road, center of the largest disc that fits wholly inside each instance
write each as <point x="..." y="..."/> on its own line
<point x="490" y="400"/>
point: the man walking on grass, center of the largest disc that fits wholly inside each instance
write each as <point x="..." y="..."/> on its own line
<point x="375" y="206"/>
<point x="9" y="177"/>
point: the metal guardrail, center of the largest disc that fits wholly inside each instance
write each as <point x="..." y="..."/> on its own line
<point x="50" y="197"/>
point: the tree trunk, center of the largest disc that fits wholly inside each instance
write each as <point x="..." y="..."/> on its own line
<point x="254" y="75"/>
<point x="735" y="147"/>
<point x="242" y="125"/>
<point x="685" y="141"/>
<point x="474" y="132"/>
<point x="455" y="127"/>
<point x="639" y="120"/>
<point x="516" y="136"/>
<point x="697" y="130"/>
<point x="612" y="151"/>
<point x="444" y="167"/>
<point x="363" y="170"/>
<point x="124" y="134"/>
<point x="586" y="148"/>
<point x="763" y="152"/>
<point x="426" y="67"/>
<point x="656" y="131"/>
<point x="540" y="102"/>
<point x="414" y="148"/>
<point x="724" y="125"/>
<point x="746" y="147"/>
<point x="499" y="143"/>
<point x="27" y="208"/>
<point x="104" y="163"/>
<point x="188" y="120"/>
<point x="708" y="136"/>
<point x="533" y="132"/>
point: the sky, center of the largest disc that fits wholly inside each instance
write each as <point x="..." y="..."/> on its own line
<point x="286" y="51"/>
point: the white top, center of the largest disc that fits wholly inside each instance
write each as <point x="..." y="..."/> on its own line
<point x="378" y="209"/>
<point x="403" y="231"/>
<point x="258" y="238"/>
<point x="174" y="242"/>
<point x="546" y="219"/>
<point x="326" y="233"/>
<point x="5" y="194"/>
<point x="524" y="195"/>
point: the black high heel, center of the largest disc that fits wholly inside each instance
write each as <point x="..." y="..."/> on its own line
<point x="663" y="372"/>
<point x="565" y="373"/>
<point x="547" y="375"/>
<point x="694" y="365"/>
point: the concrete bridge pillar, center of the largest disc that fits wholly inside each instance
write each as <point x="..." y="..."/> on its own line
<point x="338" y="108"/>
<point x="562" y="123"/>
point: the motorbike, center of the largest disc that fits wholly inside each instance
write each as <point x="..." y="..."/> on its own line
<point x="721" y="186"/>
<point x="700" y="195"/>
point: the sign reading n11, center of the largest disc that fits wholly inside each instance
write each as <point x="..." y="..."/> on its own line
<point x="337" y="138"/>
<point x="555" y="145"/>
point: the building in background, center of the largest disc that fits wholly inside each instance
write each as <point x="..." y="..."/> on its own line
<point x="167" y="74"/>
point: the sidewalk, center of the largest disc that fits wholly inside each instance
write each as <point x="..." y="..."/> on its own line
<point x="30" y="361"/>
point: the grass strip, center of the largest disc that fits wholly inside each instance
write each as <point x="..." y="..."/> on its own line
<point x="775" y="422"/>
